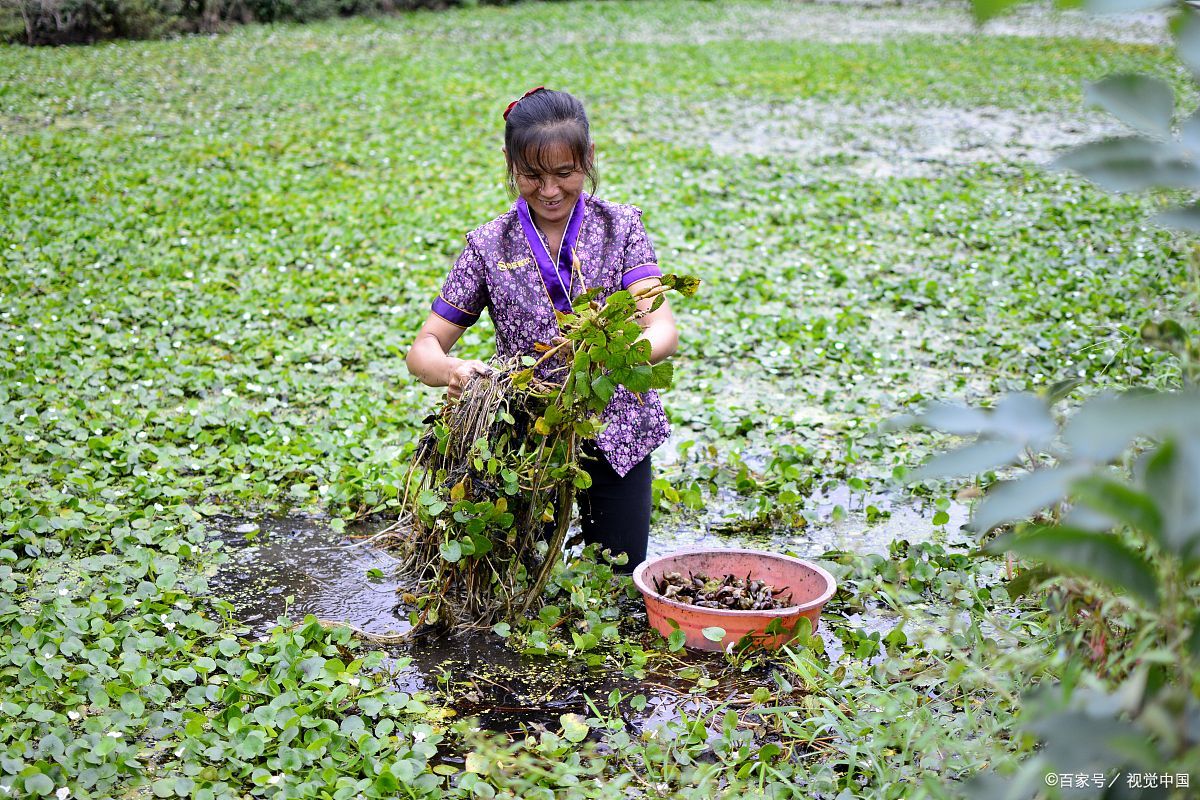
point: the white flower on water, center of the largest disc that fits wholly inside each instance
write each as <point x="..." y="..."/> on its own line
<point x="63" y="793"/>
<point x="169" y="626"/>
<point x="114" y="734"/>
<point x="419" y="736"/>
<point x="274" y="779"/>
<point x="354" y="682"/>
<point x="74" y="716"/>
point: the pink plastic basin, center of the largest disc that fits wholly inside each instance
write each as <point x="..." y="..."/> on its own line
<point x="810" y="587"/>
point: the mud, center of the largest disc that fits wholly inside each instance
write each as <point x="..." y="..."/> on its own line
<point x="880" y="140"/>
<point x="293" y="566"/>
<point x="839" y="22"/>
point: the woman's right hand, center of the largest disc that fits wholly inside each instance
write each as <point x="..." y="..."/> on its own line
<point x="461" y="372"/>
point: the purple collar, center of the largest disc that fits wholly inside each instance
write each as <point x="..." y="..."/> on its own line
<point x="557" y="279"/>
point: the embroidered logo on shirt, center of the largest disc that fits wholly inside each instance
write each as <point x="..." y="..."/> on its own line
<point x="505" y="266"/>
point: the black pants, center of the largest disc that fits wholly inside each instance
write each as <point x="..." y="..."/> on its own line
<point x="615" y="512"/>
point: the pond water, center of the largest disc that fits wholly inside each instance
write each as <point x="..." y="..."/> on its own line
<point x="294" y="565"/>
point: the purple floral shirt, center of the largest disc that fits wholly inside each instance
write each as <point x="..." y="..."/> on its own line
<point x="507" y="268"/>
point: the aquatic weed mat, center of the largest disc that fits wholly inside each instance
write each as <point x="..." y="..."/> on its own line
<point x="216" y="250"/>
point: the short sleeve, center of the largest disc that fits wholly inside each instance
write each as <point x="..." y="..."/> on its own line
<point x="639" y="260"/>
<point x="464" y="293"/>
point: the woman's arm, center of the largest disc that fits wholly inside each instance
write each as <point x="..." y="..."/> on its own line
<point x="430" y="362"/>
<point x="658" y="327"/>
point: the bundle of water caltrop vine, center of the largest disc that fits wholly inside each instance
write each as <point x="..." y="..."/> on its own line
<point x="491" y="485"/>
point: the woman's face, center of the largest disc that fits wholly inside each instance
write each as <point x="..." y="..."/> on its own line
<point x="552" y="194"/>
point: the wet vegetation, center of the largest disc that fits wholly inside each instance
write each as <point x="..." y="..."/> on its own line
<point x="490" y="496"/>
<point x="216" y="250"/>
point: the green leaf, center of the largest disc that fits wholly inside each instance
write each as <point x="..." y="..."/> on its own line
<point x="662" y="375"/>
<point x="687" y="285"/>
<point x="451" y="551"/>
<point x="1121" y="6"/>
<point x="575" y="728"/>
<point x="1105" y="426"/>
<point x="603" y="387"/>
<point x="987" y="9"/>
<point x="1132" y="164"/>
<point x="1121" y="503"/>
<point x="1020" y="498"/>
<point x="1172" y="479"/>
<point x="970" y="460"/>
<point x="713" y="634"/>
<point x="1187" y="46"/>
<point x="636" y="379"/>
<point x="1145" y="104"/>
<point x="1099" y="556"/>
<point x="386" y="784"/>
<point x="676" y="640"/>
<point x="39" y="784"/>
<point x="481" y="544"/>
<point x="953" y="418"/>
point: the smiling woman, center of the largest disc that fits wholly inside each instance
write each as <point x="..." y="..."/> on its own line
<point x="525" y="267"/>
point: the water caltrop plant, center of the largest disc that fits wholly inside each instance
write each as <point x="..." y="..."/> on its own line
<point x="493" y="479"/>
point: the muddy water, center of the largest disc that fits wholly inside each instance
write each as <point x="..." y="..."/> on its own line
<point x="878" y="140"/>
<point x="293" y="566"/>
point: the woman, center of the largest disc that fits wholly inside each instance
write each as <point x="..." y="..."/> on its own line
<point x="519" y="267"/>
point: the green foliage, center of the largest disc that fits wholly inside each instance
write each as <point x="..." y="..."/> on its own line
<point x="1139" y="538"/>
<point x="47" y="22"/>
<point x="503" y="463"/>
<point x="215" y="250"/>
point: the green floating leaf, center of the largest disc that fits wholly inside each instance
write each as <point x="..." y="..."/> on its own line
<point x="984" y="10"/>
<point x="713" y="634"/>
<point x="1099" y="556"/>
<point x="39" y="784"/>
<point x="575" y="727"/>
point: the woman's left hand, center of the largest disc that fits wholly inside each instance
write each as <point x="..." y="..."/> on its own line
<point x="658" y="326"/>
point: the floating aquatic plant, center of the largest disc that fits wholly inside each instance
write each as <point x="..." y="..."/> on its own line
<point x="491" y="485"/>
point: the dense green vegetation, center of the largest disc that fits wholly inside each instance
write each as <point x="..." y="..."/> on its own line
<point x="50" y="22"/>
<point x="216" y="251"/>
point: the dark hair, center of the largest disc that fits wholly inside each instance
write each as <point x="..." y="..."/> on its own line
<point x="543" y="119"/>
